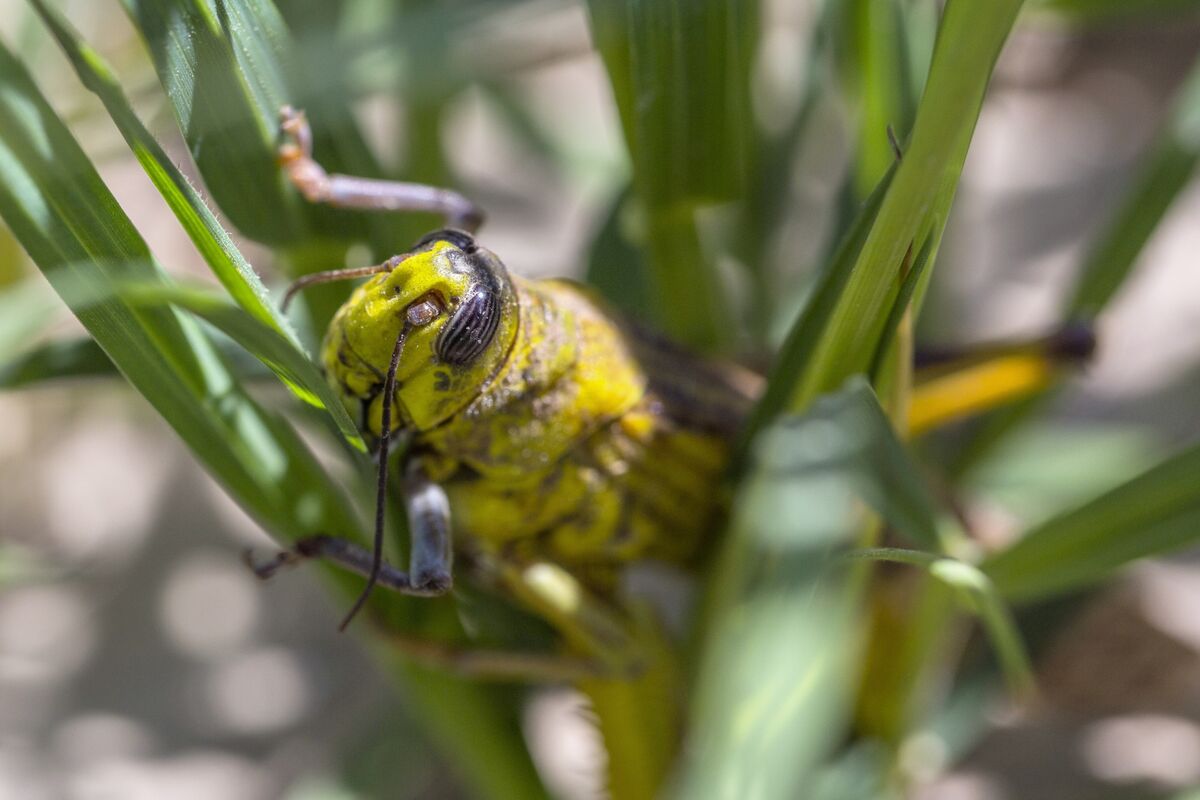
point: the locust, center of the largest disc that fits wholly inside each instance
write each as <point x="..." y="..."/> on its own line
<point x="548" y="441"/>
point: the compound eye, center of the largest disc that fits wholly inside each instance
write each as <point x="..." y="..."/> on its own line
<point x="422" y="312"/>
<point x="460" y="239"/>
<point x="470" y="328"/>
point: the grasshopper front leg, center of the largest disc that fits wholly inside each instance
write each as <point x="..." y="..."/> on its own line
<point x="430" y="564"/>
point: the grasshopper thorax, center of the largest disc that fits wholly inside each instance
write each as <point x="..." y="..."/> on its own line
<point x="457" y="309"/>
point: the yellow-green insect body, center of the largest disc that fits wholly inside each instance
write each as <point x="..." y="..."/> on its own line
<point x="565" y="436"/>
<point x="549" y="440"/>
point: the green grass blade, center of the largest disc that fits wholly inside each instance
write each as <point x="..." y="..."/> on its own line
<point x="73" y="358"/>
<point x="875" y="78"/>
<point x="73" y="229"/>
<point x="222" y="255"/>
<point x="774" y="686"/>
<point x="617" y="267"/>
<point x="228" y="115"/>
<point x="1166" y="171"/>
<point x="978" y="594"/>
<point x="839" y="330"/>
<point x="275" y="351"/>
<point x="918" y="199"/>
<point x="227" y="67"/>
<point x="800" y="345"/>
<point x="680" y="72"/>
<point x="1155" y="513"/>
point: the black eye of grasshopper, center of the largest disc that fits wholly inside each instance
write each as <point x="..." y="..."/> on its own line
<point x="460" y="239"/>
<point x="470" y="329"/>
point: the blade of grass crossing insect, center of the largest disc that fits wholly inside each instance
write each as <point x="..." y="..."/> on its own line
<point x="918" y="199"/>
<point x="776" y="674"/>
<point x="294" y="368"/>
<point x="1155" y="513"/>
<point x="71" y="226"/>
<point x="222" y="255"/>
<point x="799" y="347"/>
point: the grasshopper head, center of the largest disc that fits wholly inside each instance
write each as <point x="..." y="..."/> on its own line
<point x="460" y="310"/>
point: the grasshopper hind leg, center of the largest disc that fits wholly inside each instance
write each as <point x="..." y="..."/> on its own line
<point x="368" y="194"/>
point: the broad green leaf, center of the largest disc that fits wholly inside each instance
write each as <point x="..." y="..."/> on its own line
<point x="875" y="463"/>
<point x="1155" y="513"/>
<point x="222" y="255"/>
<point x="73" y="229"/>
<point x="680" y="73"/>
<point x="777" y="670"/>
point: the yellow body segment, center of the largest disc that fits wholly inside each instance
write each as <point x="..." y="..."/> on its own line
<point x="572" y="438"/>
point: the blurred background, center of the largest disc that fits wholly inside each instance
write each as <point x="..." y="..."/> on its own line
<point x="140" y="659"/>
